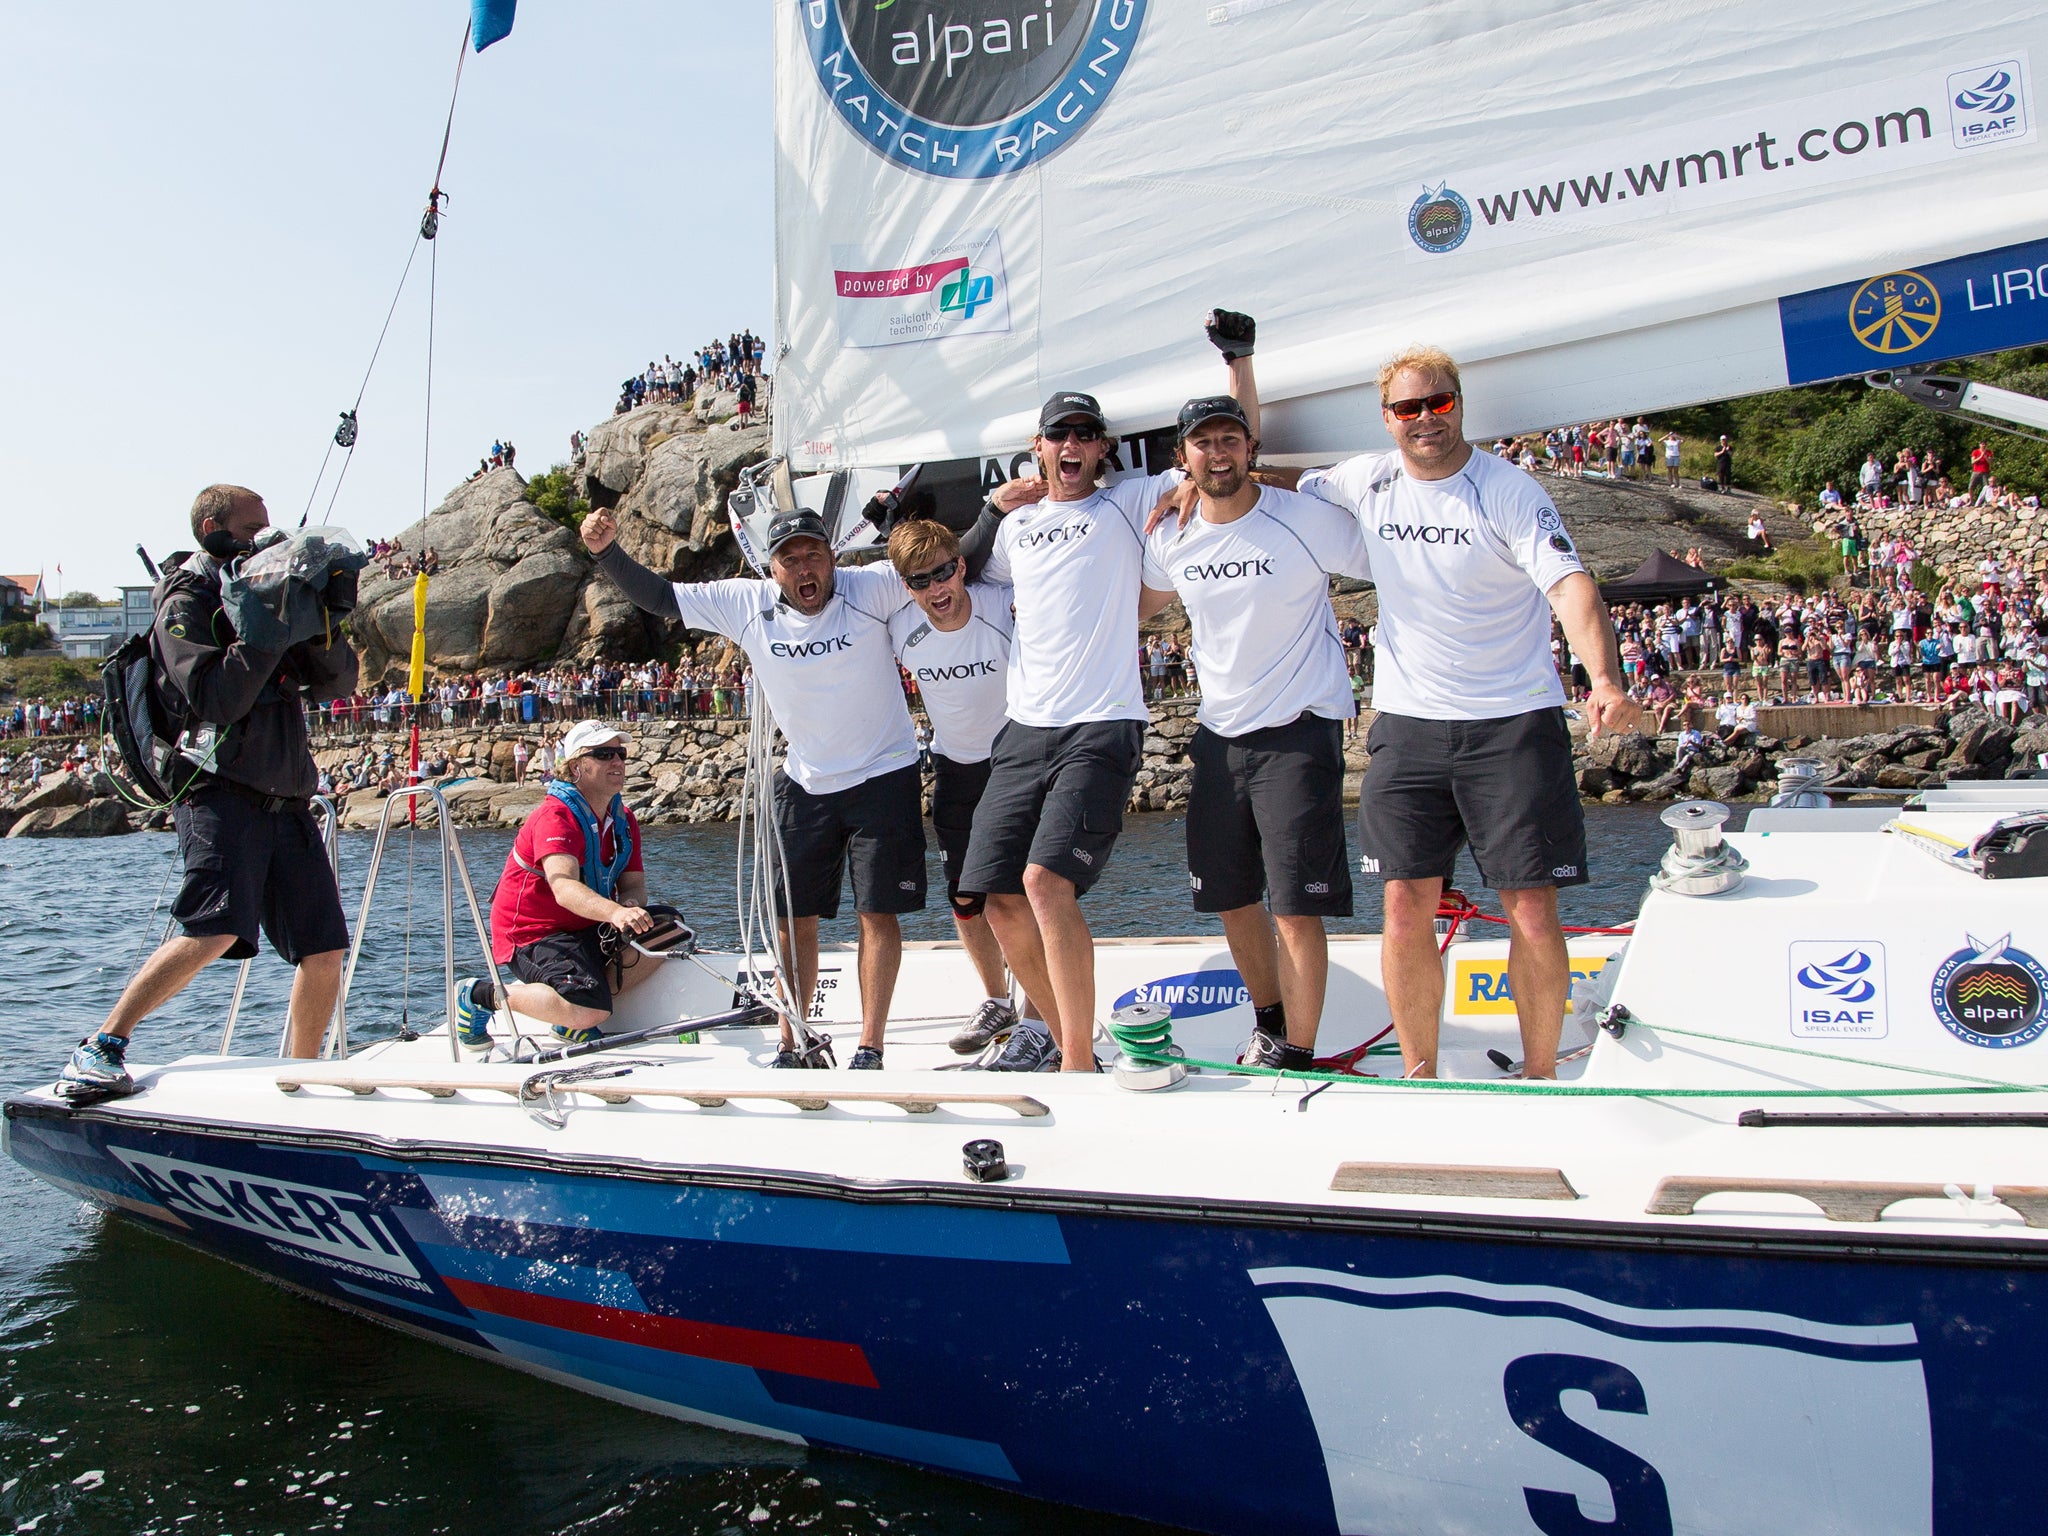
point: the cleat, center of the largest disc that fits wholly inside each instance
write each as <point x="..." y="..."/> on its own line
<point x="96" y="1071"/>
<point x="990" y="1020"/>
<point x="576" y="1036"/>
<point x="868" y="1058"/>
<point x="472" y="1023"/>
<point x="1026" y="1048"/>
<point x="1275" y="1054"/>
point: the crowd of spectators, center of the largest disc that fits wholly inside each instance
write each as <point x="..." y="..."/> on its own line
<point x="1885" y="642"/>
<point x="49" y="717"/>
<point x="397" y="564"/>
<point x="706" y="684"/>
<point x="1615" y="449"/>
<point x="732" y="364"/>
<point x="502" y="456"/>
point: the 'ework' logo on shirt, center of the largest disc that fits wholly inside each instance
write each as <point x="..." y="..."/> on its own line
<point x="1062" y="533"/>
<point x="956" y="673"/>
<point x="1226" y="570"/>
<point x="810" y="647"/>
<point x="1424" y="533"/>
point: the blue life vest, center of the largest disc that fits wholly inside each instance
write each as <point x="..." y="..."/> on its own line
<point x="601" y="877"/>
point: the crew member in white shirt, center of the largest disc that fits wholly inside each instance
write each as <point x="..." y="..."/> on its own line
<point x="849" y="792"/>
<point x="955" y="641"/>
<point x="1470" y="744"/>
<point x="1063" y="767"/>
<point x="1265" y="822"/>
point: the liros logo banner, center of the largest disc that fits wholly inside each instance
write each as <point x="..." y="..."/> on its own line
<point x="954" y="288"/>
<point x="969" y="88"/>
<point x="1991" y="994"/>
<point x="1838" y="990"/>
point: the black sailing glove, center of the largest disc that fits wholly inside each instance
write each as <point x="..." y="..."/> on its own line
<point x="1231" y="333"/>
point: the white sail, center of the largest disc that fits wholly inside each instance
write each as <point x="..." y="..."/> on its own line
<point x="1597" y="206"/>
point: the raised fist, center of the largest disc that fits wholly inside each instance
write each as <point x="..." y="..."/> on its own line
<point x="1231" y="333"/>
<point x="600" y="528"/>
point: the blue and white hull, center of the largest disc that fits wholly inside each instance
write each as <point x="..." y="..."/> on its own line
<point x="1733" y="1276"/>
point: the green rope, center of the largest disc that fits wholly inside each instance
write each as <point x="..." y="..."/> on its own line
<point x="1154" y="1043"/>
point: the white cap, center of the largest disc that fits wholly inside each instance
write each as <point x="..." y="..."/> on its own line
<point x="585" y="734"/>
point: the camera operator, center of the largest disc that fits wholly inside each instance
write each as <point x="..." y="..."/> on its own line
<point x="227" y="667"/>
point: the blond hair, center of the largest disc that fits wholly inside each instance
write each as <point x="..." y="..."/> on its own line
<point x="920" y="544"/>
<point x="1423" y="360"/>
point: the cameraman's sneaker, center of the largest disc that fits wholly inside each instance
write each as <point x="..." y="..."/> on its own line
<point x="472" y="1020"/>
<point x="1029" y="1048"/>
<point x="990" y="1020"/>
<point x="1273" y="1052"/>
<point x="97" y="1070"/>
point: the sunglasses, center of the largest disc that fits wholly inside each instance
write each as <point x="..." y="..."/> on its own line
<point x="607" y="754"/>
<point x="1438" y="404"/>
<point x="1080" y="434"/>
<point x="940" y="572"/>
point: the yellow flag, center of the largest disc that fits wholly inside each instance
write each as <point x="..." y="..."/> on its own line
<point x="416" y="683"/>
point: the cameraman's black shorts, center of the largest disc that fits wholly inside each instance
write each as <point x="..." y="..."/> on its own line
<point x="956" y="791"/>
<point x="248" y="869"/>
<point x="1505" y="785"/>
<point x="1266" y="819"/>
<point x="876" y="825"/>
<point x="572" y="962"/>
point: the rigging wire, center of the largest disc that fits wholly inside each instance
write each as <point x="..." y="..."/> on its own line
<point x="345" y="435"/>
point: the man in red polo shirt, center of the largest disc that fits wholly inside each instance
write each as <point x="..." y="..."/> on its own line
<point x="575" y="864"/>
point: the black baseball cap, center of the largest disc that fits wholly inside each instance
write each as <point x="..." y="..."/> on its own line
<point x="800" y="524"/>
<point x="1070" y="402"/>
<point x="1208" y="408"/>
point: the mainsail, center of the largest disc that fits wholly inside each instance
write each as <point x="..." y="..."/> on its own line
<point x="1597" y="206"/>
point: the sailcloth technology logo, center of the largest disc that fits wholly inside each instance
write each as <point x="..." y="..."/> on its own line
<point x="955" y="287"/>
<point x="969" y="88"/>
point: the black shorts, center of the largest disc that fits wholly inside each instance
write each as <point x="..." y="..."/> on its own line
<point x="1055" y="798"/>
<point x="1505" y="785"/>
<point x="956" y="791"/>
<point x="572" y="962"/>
<point x="879" y="823"/>
<point x="1266" y="819"/>
<point x="247" y="868"/>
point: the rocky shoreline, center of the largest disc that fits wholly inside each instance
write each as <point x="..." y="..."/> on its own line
<point x="684" y="773"/>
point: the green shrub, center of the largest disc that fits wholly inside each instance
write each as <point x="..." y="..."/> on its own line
<point x="23" y="636"/>
<point x="553" y="493"/>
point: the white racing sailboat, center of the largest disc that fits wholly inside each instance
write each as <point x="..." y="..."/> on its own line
<point x="1770" y="1255"/>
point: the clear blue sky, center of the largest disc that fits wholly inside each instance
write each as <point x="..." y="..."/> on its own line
<point x="209" y="204"/>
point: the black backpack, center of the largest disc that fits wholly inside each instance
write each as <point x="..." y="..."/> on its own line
<point x="144" y="729"/>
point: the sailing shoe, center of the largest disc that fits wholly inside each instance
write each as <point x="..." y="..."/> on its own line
<point x="867" y="1058"/>
<point x="97" y="1070"/>
<point x="1029" y="1048"/>
<point x="576" y="1036"/>
<point x="1272" y="1051"/>
<point x="472" y="1023"/>
<point x="990" y="1020"/>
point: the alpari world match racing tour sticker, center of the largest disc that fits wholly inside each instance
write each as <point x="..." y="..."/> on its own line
<point x="1991" y="994"/>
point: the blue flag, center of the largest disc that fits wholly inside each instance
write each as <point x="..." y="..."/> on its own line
<point x="490" y="20"/>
